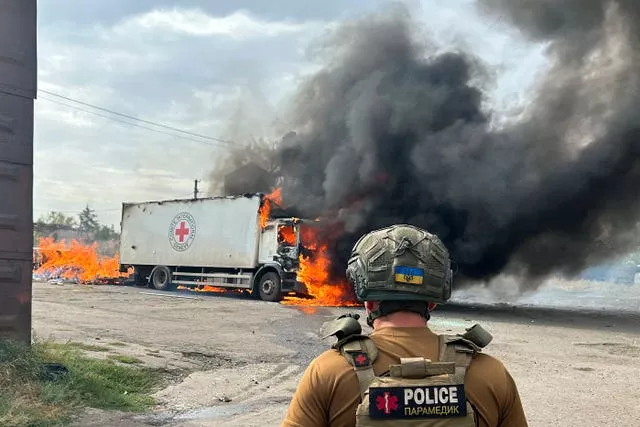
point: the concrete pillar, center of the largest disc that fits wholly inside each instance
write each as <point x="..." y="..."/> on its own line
<point x="18" y="86"/>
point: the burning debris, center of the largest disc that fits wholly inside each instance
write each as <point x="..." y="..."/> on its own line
<point x="75" y="262"/>
<point x="390" y="131"/>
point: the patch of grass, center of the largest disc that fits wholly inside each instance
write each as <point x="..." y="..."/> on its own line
<point x="129" y="360"/>
<point x="36" y="391"/>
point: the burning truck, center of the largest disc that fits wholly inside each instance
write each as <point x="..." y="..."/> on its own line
<point x="229" y="242"/>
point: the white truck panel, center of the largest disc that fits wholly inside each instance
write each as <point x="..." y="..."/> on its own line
<point x="219" y="232"/>
<point x="268" y="245"/>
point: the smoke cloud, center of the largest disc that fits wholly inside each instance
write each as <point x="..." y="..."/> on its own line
<point x="392" y="131"/>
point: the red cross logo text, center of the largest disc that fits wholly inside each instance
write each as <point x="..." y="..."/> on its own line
<point x="183" y="231"/>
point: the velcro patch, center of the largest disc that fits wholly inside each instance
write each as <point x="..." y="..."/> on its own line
<point x="360" y="359"/>
<point x="440" y="401"/>
<point x="408" y="275"/>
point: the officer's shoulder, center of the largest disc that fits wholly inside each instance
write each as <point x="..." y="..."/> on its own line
<point x="484" y="360"/>
<point x="328" y="363"/>
<point x="483" y="367"/>
<point x="342" y="328"/>
<point x="346" y="332"/>
<point x="488" y="375"/>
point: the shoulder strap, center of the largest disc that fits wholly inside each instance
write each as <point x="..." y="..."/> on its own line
<point x="359" y="350"/>
<point x="361" y="353"/>
<point x="461" y="348"/>
<point x="454" y="348"/>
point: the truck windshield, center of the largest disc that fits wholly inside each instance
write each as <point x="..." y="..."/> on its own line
<point x="287" y="235"/>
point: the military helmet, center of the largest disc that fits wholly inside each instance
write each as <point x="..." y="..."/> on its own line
<point x="400" y="263"/>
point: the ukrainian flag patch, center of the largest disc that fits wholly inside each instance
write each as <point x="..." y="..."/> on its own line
<point x="410" y="275"/>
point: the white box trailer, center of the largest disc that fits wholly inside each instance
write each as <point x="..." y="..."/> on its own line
<point x="216" y="241"/>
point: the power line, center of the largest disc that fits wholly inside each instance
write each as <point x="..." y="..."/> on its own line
<point x="132" y="124"/>
<point x="107" y="110"/>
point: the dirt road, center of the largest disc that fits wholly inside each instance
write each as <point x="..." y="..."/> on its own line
<point x="236" y="361"/>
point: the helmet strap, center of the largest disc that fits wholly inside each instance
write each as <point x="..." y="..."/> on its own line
<point x="385" y="308"/>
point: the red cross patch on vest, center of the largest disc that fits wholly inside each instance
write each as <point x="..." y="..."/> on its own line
<point x="360" y="358"/>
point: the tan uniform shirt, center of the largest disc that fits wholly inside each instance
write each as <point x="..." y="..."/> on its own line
<point x="328" y="393"/>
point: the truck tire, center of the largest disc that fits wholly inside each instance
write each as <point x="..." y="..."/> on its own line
<point x="160" y="278"/>
<point x="269" y="287"/>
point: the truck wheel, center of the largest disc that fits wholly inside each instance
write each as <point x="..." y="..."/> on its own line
<point x="269" y="287"/>
<point x="160" y="278"/>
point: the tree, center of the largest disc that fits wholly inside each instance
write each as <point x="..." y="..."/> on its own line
<point x="50" y="224"/>
<point x="106" y="233"/>
<point x="54" y="222"/>
<point x="88" y="221"/>
<point x="57" y="218"/>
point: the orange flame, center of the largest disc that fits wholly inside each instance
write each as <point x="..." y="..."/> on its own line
<point x="209" y="288"/>
<point x="76" y="261"/>
<point x="273" y="198"/>
<point x="287" y="235"/>
<point x="314" y="273"/>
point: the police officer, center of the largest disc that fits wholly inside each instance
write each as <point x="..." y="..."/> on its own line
<point x="403" y="373"/>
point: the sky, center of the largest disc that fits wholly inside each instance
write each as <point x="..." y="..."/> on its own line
<point x="222" y="69"/>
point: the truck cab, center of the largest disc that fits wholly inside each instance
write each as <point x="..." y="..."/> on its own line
<point x="280" y="247"/>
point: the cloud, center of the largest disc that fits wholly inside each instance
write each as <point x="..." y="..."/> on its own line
<point x="181" y="67"/>
<point x="238" y="25"/>
<point x="222" y="69"/>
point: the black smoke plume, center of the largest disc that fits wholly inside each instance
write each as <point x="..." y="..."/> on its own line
<point x="391" y="131"/>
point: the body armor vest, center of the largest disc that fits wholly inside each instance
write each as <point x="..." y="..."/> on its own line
<point x="417" y="391"/>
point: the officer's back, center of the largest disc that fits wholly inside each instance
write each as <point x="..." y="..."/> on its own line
<point x="400" y="273"/>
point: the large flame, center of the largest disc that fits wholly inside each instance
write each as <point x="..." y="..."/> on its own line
<point x="287" y="235"/>
<point x="75" y="261"/>
<point x="273" y="198"/>
<point x="314" y="273"/>
<point x="314" y="264"/>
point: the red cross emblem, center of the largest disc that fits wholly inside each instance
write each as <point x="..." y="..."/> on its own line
<point x="359" y="358"/>
<point x="387" y="403"/>
<point x="182" y="231"/>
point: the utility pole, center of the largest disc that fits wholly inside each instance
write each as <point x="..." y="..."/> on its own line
<point x="18" y="86"/>
<point x="195" y="189"/>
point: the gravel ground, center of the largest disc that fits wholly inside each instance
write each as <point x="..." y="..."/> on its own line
<point x="235" y="361"/>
